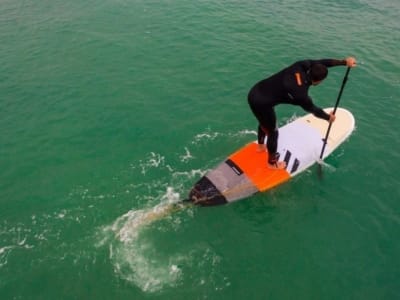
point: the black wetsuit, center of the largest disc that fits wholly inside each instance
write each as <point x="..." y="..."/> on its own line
<point x="290" y="86"/>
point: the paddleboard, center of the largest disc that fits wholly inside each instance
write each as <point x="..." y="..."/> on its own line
<point x="245" y="172"/>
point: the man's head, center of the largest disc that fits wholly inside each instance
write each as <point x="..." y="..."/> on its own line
<point x="318" y="73"/>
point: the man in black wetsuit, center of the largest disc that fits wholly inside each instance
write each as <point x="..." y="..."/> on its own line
<point x="289" y="85"/>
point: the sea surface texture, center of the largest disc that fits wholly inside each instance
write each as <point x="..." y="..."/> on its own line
<point x="110" y="111"/>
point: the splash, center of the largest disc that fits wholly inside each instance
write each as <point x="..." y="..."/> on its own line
<point x="137" y="258"/>
<point x="128" y="226"/>
<point x="131" y="240"/>
<point x="326" y="165"/>
<point x="132" y="252"/>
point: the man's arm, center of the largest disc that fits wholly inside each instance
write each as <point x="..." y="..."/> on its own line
<point x="349" y="61"/>
<point x="310" y="107"/>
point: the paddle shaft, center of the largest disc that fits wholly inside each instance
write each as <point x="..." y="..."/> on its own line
<point x="334" y="111"/>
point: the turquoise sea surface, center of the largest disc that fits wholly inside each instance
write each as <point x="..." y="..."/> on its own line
<point x="111" y="110"/>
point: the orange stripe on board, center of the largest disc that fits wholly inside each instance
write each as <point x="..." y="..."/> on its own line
<point x="254" y="165"/>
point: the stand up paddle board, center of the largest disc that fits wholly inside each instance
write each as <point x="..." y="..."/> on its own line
<point x="245" y="172"/>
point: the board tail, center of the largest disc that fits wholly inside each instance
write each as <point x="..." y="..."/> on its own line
<point x="205" y="193"/>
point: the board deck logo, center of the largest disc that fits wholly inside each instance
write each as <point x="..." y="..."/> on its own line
<point x="234" y="167"/>
<point x="296" y="163"/>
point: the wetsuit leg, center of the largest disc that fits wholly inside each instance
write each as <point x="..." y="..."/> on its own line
<point x="265" y="114"/>
<point x="261" y="135"/>
<point x="272" y="146"/>
<point x="257" y="106"/>
<point x="268" y="123"/>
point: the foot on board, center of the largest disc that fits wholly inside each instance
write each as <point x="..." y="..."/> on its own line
<point x="278" y="165"/>
<point x="261" y="148"/>
<point x="274" y="163"/>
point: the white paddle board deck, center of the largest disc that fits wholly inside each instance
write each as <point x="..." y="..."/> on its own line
<point x="245" y="172"/>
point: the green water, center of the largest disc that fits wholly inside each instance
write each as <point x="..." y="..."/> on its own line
<point x="110" y="110"/>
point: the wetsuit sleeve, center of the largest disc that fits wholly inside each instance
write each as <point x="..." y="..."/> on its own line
<point x="330" y="62"/>
<point x="309" y="106"/>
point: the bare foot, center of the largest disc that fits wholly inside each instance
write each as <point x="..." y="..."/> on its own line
<point x="261" y="148"/>
<point x="278" y="165"/>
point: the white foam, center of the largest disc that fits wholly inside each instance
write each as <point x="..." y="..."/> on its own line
<point x="3" y="258"/>
<point x="205" y="136"/>
<point x="155" y="160"/>
<point x="4" y="249"/>
<point x="4" y="252"/>
<point x="246" y="132"/>
<point x="190" y="174"/>
<point x="187" y="156"/>
<point x="291" y="119"/>
<point x="132" y="253"/>
<point x="137" y="263"/>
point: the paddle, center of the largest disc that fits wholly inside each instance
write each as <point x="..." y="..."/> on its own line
<point x="325" y="140"/>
